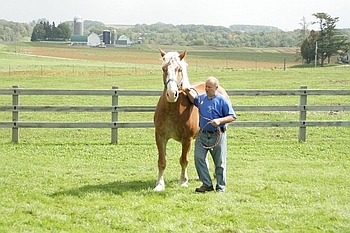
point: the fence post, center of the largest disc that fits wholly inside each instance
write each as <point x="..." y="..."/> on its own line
<point x="302" y="115"/>
<point x="114" y="131"/>
<point x="15" y="114"/>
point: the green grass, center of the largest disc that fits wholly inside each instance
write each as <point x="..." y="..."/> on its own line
<point x="74" y="180"/>
<point x="274" y="184"/>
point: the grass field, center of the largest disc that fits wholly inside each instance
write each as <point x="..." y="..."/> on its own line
<point x="74" y="180"/>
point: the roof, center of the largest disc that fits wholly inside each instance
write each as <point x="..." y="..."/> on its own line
<point x="78" y="38"/>
<point x="123" y="37"/>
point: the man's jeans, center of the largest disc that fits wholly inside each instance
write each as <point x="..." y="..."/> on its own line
<point x="218" y="154"/>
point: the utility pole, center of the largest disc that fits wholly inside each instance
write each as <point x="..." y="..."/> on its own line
<point x="316" y="55"/>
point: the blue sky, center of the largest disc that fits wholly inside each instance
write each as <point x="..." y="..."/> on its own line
<point x="284" y="14"/>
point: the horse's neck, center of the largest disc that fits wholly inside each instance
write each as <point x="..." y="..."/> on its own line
<point x="185" y="79"/>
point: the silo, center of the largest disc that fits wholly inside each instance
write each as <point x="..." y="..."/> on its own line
<point x="106" y="36"/>
<point x="78" y="25"/>
<point x="113" y="36"/>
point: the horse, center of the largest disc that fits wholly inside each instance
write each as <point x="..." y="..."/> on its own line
<point x="175" y="116"/>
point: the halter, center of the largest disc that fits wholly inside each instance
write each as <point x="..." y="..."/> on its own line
<point x="168" y="80"/>
<point x="178" y="84"/>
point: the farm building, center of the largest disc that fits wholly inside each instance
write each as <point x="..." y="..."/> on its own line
<point x="78" y="40"/>
<point x="82" y="40"/>
<point x="107" y="38"/>
<point x="78" y="25"/>
<point x="93" y="40"/>
<point x="345" y="58"/>
<point x="123" y="41"/>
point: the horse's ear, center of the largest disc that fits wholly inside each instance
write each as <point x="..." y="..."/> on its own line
<point x="183" y="55"/>
<point x="161" y="52"/>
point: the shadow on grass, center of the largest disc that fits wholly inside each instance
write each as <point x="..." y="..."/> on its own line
<point x="117" y="188"/>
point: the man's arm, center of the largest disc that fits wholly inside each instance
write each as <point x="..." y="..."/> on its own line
<point x="191" y="94"/>
<point x="222" y="120"/>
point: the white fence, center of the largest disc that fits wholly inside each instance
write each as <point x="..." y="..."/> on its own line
<point x="114" y="124"/>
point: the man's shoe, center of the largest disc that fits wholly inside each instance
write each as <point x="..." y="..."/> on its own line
<point x="220" y="191"/>
<point x="204" y="189"/>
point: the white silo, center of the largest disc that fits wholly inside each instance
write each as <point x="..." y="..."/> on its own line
<point x="78" y="25"/>
<point x="113" y="36"/>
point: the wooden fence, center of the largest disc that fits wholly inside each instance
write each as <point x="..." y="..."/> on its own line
<point x="114" y="124"/>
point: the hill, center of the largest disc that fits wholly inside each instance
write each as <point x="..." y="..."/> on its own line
<point x="254" y="28"/>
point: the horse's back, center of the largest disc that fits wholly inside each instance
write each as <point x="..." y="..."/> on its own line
<point x="200" y="88"/>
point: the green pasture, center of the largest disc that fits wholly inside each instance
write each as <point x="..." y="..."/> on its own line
<point x="74" y="180"/>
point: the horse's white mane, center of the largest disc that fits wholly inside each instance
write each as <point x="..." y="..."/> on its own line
<point x="174" y="57"/>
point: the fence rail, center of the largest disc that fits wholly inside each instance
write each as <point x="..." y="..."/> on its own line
<point x="114" y="109"/>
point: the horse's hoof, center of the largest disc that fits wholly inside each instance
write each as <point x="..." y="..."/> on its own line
<point x="185" y="185"/>
<point x="159" y="188"/>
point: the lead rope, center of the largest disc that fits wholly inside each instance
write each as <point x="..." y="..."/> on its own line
<point x="201" y="129"/>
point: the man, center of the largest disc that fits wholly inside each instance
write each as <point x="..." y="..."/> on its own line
<point x="215" y="112"/>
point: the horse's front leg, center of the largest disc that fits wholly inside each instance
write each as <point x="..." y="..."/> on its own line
<point x="161" y="145"/>
<point x="186" y="146"/>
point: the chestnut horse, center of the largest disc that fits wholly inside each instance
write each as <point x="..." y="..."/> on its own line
<point x="175" y="116"/>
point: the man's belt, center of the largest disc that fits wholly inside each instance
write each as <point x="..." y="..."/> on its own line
<point x="222" y="129"/>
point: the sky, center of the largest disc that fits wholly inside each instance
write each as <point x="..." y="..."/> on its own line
<point x="283" y="14"/>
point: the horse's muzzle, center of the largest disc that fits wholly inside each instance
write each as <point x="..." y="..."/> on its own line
<point x="172" y="96"/>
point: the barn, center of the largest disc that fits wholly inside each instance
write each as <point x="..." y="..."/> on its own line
<point x="93" y="40"/>
<point x="123" y="41"/>
<point x="85" y="40"/>
<point x="78" y="40"/>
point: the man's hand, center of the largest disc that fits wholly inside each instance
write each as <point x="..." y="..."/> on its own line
<point x="215" y="122"/>
<point x="186" y="90"/>
<point x="190" y="93"/>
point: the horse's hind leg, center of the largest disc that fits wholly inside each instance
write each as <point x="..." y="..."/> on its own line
<point x="186" y="146"/>
<point x="161" y="145"/>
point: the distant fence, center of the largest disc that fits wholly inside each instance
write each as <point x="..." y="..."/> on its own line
<point x="105" y="70"/>
<point x="114" y="109"/>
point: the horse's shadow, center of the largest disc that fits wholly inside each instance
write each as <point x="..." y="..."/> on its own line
<point x="116" y="188"/>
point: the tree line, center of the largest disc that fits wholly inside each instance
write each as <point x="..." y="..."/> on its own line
<point x="207" y="35"/>
<point x="330" y="40"/>
<point x="44" y="31"/>
<point x="13" y="31"/>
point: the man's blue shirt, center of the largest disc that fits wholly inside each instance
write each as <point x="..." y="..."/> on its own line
<point x="216" y="107"/>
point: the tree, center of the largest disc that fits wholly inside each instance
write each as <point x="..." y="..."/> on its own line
<point x="304" y="31"/>
<point x="38" y="33"/>
<point x="329" y="40"/>
<point x="63" y="31"/>
<point x="308" y="47"/>
<point x="48" y="30"/>
<point x="54" y="35"/>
